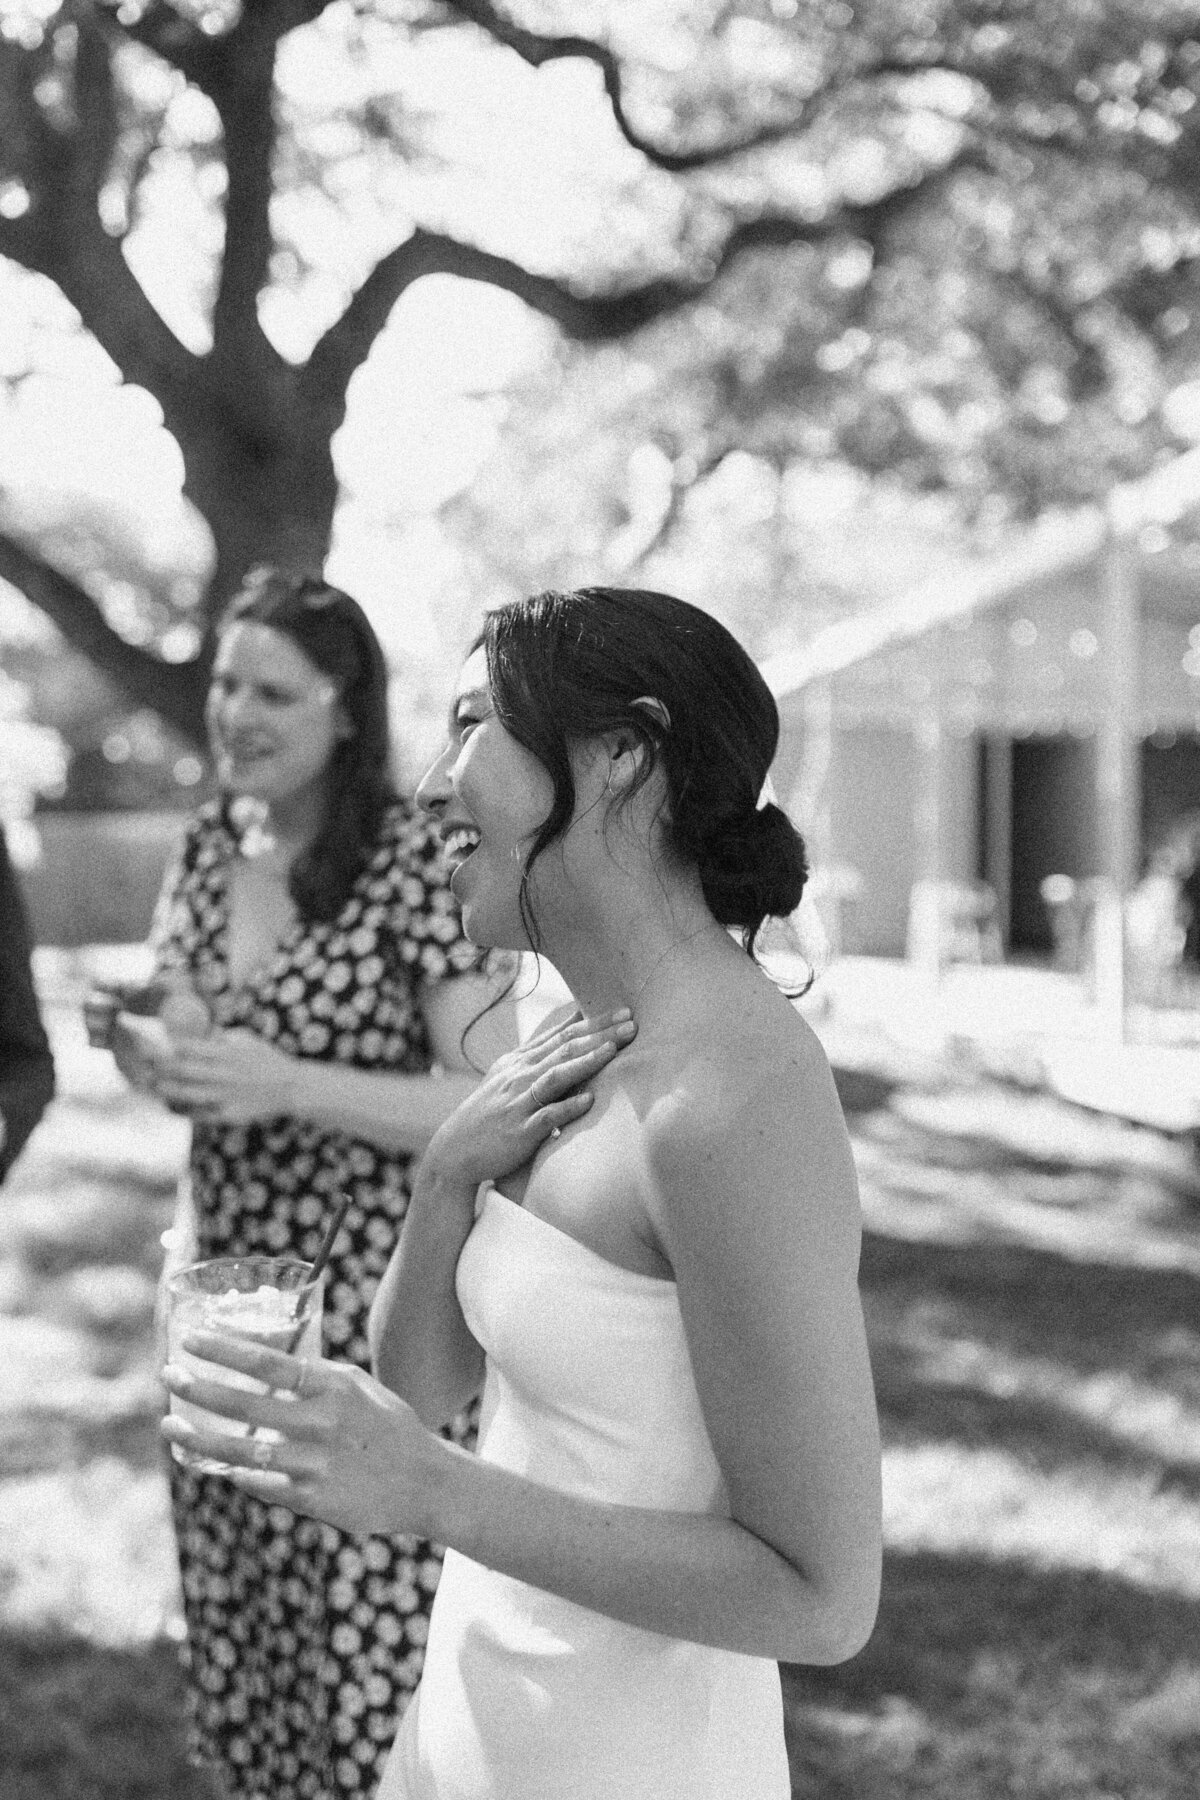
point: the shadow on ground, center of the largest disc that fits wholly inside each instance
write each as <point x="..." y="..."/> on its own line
<point x="991" y="1678"/>
<point x="82" y="1722"/>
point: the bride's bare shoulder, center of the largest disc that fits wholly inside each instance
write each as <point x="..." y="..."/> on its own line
<point x="747" y="1129"/>
<point x="739" y="1043"/>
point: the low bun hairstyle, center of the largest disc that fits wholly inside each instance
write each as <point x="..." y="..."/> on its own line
<point x="753" y="867"/>
<point x="564" y="667"/>
<point x="334" y="633"/>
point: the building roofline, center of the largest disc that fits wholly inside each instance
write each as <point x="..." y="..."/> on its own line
<point x="1056" y="541"/>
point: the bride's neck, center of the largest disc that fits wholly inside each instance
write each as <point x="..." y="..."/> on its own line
<point x="628" y="959"/>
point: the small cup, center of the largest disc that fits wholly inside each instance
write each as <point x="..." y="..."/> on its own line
<point x="271" y="1299"/>
<point x="100" y="1009"/>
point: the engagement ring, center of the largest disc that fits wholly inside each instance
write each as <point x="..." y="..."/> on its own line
<point x="261" y="1454"/>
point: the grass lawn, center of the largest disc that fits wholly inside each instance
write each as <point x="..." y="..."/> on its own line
<point x="1032" y="1281"/>
<point x="82" y="1721"/>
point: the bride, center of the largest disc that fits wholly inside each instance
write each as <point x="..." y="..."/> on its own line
<point x="640" y="1234"/>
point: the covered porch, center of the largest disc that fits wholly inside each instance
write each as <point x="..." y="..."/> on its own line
<point x="1036" y="715"/>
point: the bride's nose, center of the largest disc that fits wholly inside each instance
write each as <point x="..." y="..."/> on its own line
<point x="433" y="789"/>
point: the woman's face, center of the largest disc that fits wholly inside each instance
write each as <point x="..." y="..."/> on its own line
<point x="273" y="718"/>
<point x="490" y="796"/>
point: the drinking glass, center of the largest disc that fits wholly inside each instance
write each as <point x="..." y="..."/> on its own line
<point x="270" y="1299"/>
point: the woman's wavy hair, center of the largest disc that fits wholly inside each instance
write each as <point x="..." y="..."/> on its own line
<point x="564" y="667"/>
<point x="334" y="633"/>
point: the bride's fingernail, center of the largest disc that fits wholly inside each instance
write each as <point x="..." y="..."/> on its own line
<point x="622" y="1012"/>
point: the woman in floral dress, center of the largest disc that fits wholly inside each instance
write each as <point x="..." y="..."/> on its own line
<point x="310" y="913"/>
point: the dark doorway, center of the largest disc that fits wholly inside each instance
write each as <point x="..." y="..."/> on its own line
<point x="1171" y="817"/>
<point x="1170" y="784"/>
<point x="1053" y="829"/>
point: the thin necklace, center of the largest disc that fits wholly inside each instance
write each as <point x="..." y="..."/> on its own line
<point x="700" y="931"/>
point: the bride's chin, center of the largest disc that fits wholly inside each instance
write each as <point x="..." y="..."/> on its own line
<point x="491" y="934"/>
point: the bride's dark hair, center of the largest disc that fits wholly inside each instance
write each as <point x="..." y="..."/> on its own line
<point x="563" y="667"/>
<point x="334" y="633"/>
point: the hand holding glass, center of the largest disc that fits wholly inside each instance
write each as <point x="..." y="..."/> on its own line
<point x="273" y="1300"/>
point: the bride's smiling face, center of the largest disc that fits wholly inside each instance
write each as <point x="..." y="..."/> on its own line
<point x="490" y="795"/>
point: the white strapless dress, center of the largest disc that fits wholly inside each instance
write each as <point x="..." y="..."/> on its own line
<point x="524" y="1696"/>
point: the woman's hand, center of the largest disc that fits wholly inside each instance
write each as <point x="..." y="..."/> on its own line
<point x="139" y="1046"/>
<point x="351" y="1452"/>
<point x="228" y="1078"/>
<point x="526" y="1096"/>
<point x="110" y="1025"/>
<point x="107" y="1000"/>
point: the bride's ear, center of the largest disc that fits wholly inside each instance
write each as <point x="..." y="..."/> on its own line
<point x="629" y="759"/>
<point x="625" y="757"/>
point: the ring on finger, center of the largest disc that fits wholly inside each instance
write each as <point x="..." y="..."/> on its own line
<point x="298" y="1390"/>
<point x="261" y="1453"/>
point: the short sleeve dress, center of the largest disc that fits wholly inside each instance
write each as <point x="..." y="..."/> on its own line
<point x="303" y="1643"/>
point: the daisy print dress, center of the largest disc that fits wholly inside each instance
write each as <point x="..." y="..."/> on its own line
<point x="304" y="1643"/>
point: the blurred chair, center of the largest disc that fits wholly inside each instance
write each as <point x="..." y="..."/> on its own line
<point x="1067" y="904"/>
<point x="1156" y="924"/>
<point x="953" y="922"/>
<point x="833" y="890"/>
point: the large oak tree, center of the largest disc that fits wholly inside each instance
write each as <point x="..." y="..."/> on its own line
<point x="954" y="239"/>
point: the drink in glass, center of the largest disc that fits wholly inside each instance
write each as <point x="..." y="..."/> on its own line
<point x="271" y="1299"/>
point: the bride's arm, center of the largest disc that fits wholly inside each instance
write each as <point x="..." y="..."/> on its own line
<point x="421" y="1346"/>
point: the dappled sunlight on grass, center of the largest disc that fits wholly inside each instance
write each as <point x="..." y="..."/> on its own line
<point x="953" y="1498"/>
<point x="1031" y="1277"/>
<point x="988" y="1679"/>
<point x="1136" y="1415"/>
<point x="955" y="1163"/>
<point x="89" y="1552"/>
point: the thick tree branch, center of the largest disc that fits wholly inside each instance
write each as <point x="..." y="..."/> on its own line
<point x="94" y="98"/>
<point x="198" y="57"/>
<point x="537" y="49"/>
<point x="588" y="318"/>
<point x="95" y="277"/>
<point x="176" y="690"/>
<point x="243" y="91"/>
<point x="65" y="160"/>
<point x="178" y="41"/>
<point x="66" y="157"/>
<point x="244" y="100"/>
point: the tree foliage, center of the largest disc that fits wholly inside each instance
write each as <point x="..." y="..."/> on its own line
<point x="951" y="240"/>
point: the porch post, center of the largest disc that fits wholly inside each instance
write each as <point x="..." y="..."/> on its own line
<point x="998" y="844"/>
<point x="811" y="807"/>
<point x="812" y="798"/>
<point x="925" y="909"/>
<point x="1117" y="774"/>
